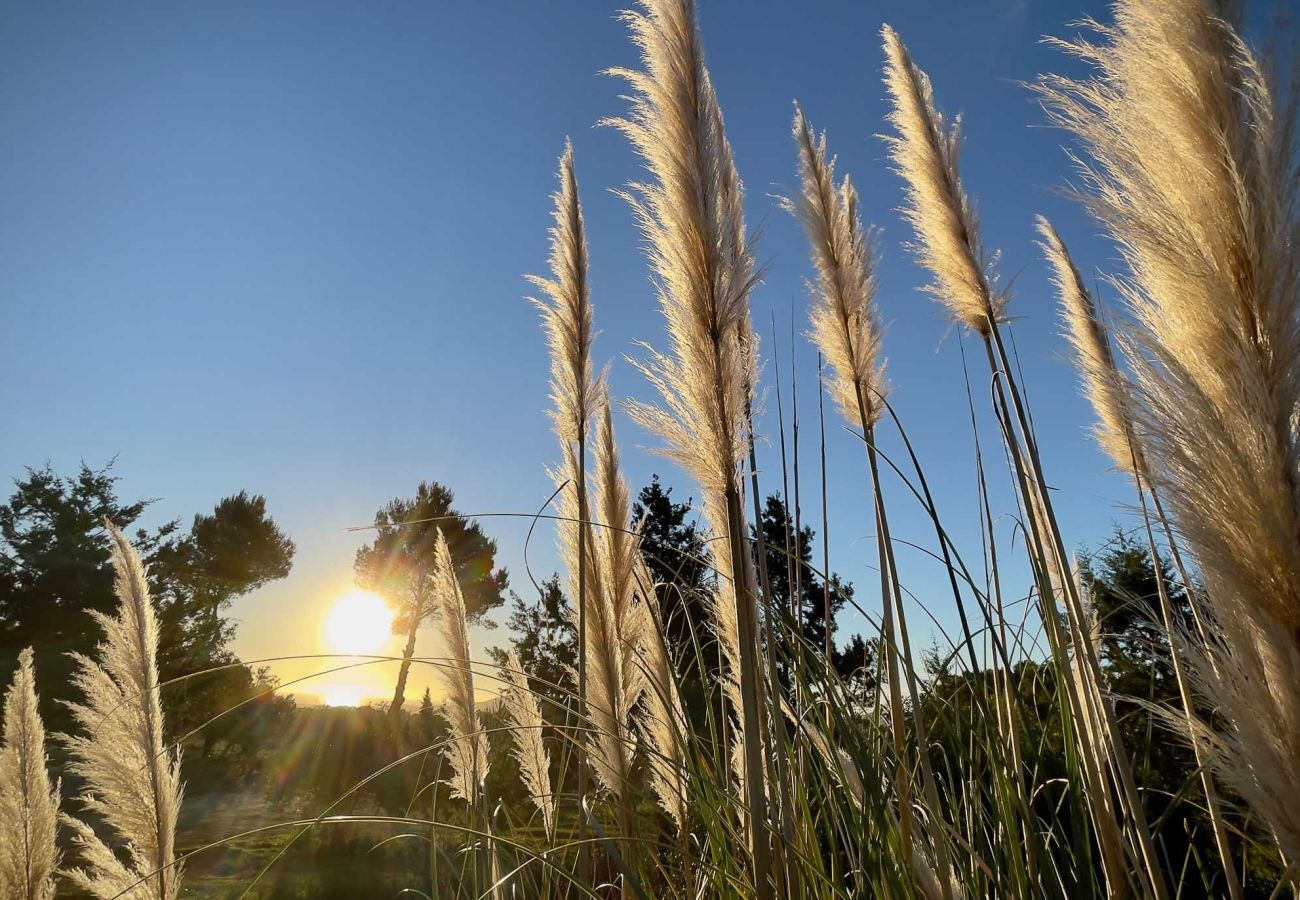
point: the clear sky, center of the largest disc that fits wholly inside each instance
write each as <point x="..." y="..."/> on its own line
<point x="280" y="247"/>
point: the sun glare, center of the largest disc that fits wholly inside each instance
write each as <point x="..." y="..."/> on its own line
<point x="359" y="622"/>
<point x="343" y="695"/>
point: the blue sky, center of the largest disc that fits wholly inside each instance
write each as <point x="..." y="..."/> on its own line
<point x="280" y="247"/>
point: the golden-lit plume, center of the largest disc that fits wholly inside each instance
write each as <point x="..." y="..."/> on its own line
<point x="132" y="781"/>
<point x="614" y="680"/>
<point x="1103" y="384"/>
<point x="664" y="722"/>
<point x="690" y="212"/>
<point x="467" y="752"/>
<point x="566" y="313"/>
<point x="529" y="750"/>
<point x="1193" y="175"/>
<point x="29" y="804"/>
<point x="691" y="216"/>
<point x="845" y="324"/>
<point x="924" y="152"/>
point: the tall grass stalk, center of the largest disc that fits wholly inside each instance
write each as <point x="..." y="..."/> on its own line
<point x="567" y="319"/>
<point x="132" y="781"/>
<point x="846" y="329"/>
<point x="1192" y="171"/>
<point x="617" y="681"/>
<point x="1110" y="393"/>
<point x="664" y="723"/>
<point x="690" y="213"/>
<point x="925" y="153"/>
<point x="29" y="803"/>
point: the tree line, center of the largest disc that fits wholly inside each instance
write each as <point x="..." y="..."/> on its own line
<point x="55" y="568"/>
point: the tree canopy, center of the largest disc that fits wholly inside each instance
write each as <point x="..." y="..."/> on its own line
<point x="400" y="564"/>
<point x="54" y="568"/>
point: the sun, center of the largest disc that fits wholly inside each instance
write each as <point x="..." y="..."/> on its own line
<point x="359" y="622"/>
<point x="343" y="695"/>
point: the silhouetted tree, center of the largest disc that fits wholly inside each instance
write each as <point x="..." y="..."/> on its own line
<point x="679" y="562"/>
<point x="194" y="578"/>
<point x="399" y="564"/>
<point x="547" y="644"/>
<point x="787" y="568"/>
<point x="54" y="557"/>
<point x="54" y="567"/>
<point x="855" y="663"/>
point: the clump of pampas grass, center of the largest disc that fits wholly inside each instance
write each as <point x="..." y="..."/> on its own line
<point x="606" y="569"/>
<point x="132" y="780"/>
<point x="29" y="804"/>
<point x="690" y="214"/>
<point x="1192" y="172"/>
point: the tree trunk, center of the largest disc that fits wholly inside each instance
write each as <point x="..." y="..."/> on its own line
<point x="399" y="695"/>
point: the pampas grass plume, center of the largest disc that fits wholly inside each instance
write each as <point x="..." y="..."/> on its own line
<point x="1103" y="384"/>
<point x="690" y="214"/>
<point x="132" y="780"/>
<point x="924" y="150"/>
<point x="529" y="750"/>
<point x="29" y="804"/>
<point x="1192" y="171"/>
<point x="566" y="311"/>
<point x="467" y="753"/>
<point x="845" y="324"/>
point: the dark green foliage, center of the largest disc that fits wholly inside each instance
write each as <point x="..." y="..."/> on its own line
<point x="399" y="561"/>
<point x="399" y="564"/>
<point x="678" y="560"/>
<point x="54" y="558"/>
<point x="55" y="568"/>
<point x="791" y="573"/>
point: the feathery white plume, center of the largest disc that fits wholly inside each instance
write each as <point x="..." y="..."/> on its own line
<point x="567" y="314"/>
<point x="1193" y="173"/>
<point x="467" y="752"/>
<point x="29" y="804"/>
<point x="845" y="323"/>
<point x="614" y="681"/>
<point x="132" y="779"/>
<point x="529" y="750"/>
<point x="924" y="152"/>
<point x="664" y="722"/>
